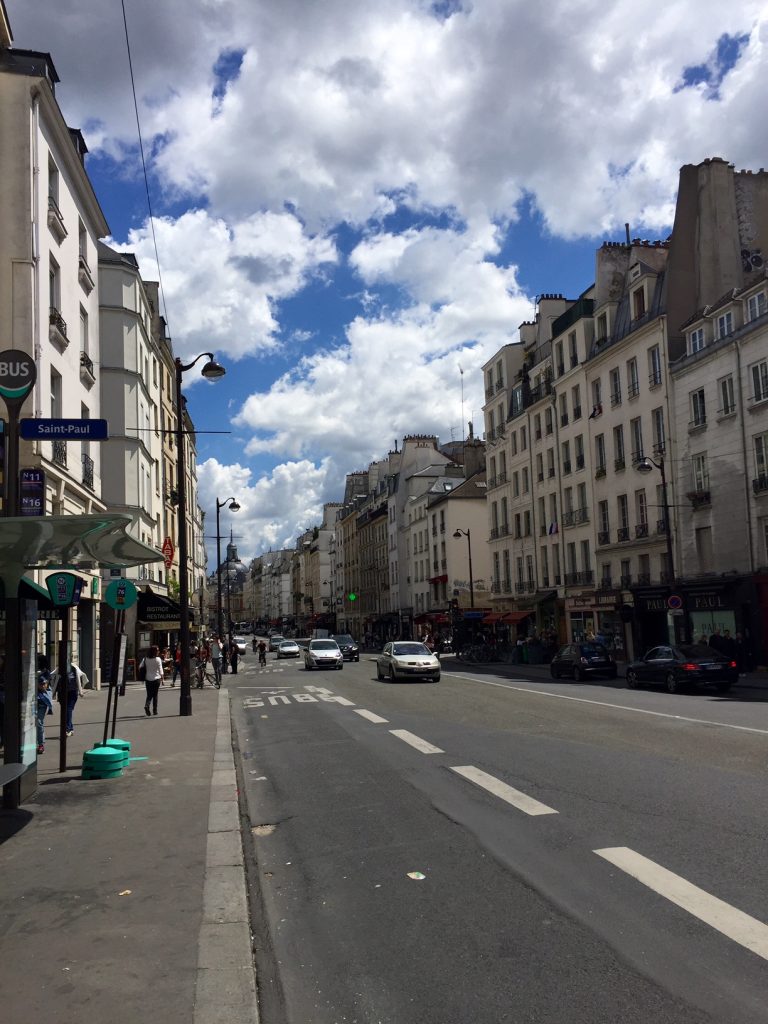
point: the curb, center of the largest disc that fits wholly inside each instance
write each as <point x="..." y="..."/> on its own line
<point x="225" y="989"/>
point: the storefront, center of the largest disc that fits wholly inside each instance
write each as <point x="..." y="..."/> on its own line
<point x="597" y="616"/>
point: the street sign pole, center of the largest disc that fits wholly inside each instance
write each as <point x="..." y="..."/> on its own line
<point x="18" y="374"/>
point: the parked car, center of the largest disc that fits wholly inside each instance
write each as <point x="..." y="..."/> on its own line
<point x="683" y="668"/>
<point x="580" y="660"/>
<point x="241" y="644"/>
<point x="323" y="654"/>
<point x="274" y="641"/>
<point x="348" y="647"/>
<point x="407" y="659"/>
<point x="288" y="649"/>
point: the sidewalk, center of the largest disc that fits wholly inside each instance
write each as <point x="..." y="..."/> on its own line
<point x="110" y="893"/>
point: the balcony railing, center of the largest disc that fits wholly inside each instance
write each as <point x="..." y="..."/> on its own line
<point x="643" y="579"/>
<point x="87" y="471"/>
<point x="566" y="467"/>
<point x="619" y="464"/>
<point x="641" y="530"/>
<point x="564" y="420"/>
<point x="760" y="484"/>
<point x="57" y="328"/>
<point x="87" y="374"/>
<point x="55" y="220"/>
<point x="600" y="472"/>
<point x="654" y="378"/>
<point x="633" y="390"/>
<point x="622" y="533"/>
<point x="577" y="412"/>
<point x="525" y="587"/>
<point x="661" y="526"/>
<point x="604" y="537"/>
<point x="502" y="479"/>
<point x="625" y="581"/>
<point x="499" y="385"/>
<point x="60" y="453"/>
<point x="579" y="462"/>
<point x="84" y="275"/>
<point x="577" y="579"/>
<point x="699" y="499"/>
<point x="606" y="583"/>
<point x="615" y="399"/>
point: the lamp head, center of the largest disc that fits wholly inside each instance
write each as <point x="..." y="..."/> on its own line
<point x="644" y="466"/>
<point x="212" y="370"/>
<point x="457" y="534"/>
<point x="233" y="506"/>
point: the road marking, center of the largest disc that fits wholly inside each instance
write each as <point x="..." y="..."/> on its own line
<point x="318" y="689"/>
<point x="278" y="699"/>
<point x="606" y="704"/>
<point x="521" y="801"/>
<point x="370" y="716"/>
<point x="746" y="930"/>
<point x="416" y="741"/>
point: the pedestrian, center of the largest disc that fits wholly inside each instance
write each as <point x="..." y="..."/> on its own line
<point x="233" y="658"/>
<point x="72" y="689"/>
<point x="176" y="663"/>
<point x="224" y="655"/>
<point x="216" y="658"/>
<point x="262" y="648"/>
<point x="716" y="641"/>
<point x="728" y="646"/>
<point x="153" y="676"/>
<point x="44" y="707"/>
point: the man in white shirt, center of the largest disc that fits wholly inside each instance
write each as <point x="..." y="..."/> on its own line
<point x="216" y="658"/>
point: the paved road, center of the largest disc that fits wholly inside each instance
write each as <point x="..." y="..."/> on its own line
<point x="590" y="854"/>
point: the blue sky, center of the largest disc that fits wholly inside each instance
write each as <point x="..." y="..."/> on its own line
<point x="348" y="216"/>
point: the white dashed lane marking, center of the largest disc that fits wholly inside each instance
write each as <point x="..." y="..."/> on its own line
<point x="746" y="930"/>
<point x="521" y="801"/>
<point x="371" y="716"/>
<point x="416" y="741"/>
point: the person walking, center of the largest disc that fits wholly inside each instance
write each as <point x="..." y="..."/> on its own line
<point x="70" y="691"/>
<point x="153" y="676"/>
<point x="233" y="657"/>
<point x="44" y="707"/>
<point x="176" y="663"/>
<point x="216" y="658"/>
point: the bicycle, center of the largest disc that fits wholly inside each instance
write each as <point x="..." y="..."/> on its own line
<point x="201" y="675"/>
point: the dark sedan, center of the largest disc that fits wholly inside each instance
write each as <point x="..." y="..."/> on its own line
<point x="683" y="668"/>
<point x="581" y="660"/>
<point x="349" y="649"/>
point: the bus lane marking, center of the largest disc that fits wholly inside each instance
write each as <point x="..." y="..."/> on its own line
<point x="735" y="924"/>
<point x="509" y="794"/>
<point x="416" y="741"/>
<point x="371" y="716"/>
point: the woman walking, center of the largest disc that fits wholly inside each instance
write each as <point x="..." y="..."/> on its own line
<point x="69" y="691"/>
<point x="153" y="676"/>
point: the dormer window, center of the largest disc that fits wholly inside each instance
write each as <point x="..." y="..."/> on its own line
<point x="602" y="327"/>
<point x="638" y="303"/>
<point x="725" y="325"/>
<point x="757" y="305"/>
<point x="696" y="340"/>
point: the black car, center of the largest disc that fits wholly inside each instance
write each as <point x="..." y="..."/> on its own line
<point x="350" y="651"/>
<point x="581" y="660"/>
<point x="683" y="668"/>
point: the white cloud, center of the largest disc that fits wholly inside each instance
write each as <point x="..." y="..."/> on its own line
<point x="221" y="282"/>
<point x="274" y="509"/>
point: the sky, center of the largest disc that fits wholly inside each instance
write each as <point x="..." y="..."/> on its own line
<point x="356" y="201"/>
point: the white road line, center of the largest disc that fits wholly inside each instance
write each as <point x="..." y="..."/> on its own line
<point x="746" y="930"/>
<point x="521" y="801"/>
<point x="605" y="704"/>
<point x="416" y="741"/>
<point x="371" y="716"/>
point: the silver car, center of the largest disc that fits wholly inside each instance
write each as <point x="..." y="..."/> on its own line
<point x="407" y="659"/>
<point x="323" y="654"/>
<point x="288" y="649"/>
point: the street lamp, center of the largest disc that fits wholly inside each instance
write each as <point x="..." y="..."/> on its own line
<point x="465" y="533"/>
<point x="647" y="465"/>
<point x="211" y="371"/>
<point x="233" y="507"/>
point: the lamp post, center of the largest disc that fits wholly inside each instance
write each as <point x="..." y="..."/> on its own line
<point x="211" y="371"/>
<point x="647" y="465"/>
<point x="233" y="507"/>
<point x="466" y="533"/>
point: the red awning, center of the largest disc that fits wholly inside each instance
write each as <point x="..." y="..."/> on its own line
<point x="493" y="617"/>
<point x="514" y="617"/>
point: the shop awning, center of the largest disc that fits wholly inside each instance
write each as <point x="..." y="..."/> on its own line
<point x="159" y="611"/>
<point x="512" y="618"/>
<point x="494" y="617"/>
<point x="31" y="591"/>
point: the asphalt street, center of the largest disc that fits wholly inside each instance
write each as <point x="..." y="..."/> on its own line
<point x="589" y="853"/>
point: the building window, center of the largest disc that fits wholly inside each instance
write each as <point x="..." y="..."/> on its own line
<point x="759" y="372"/>
<point x="576" y="402"/>
<point x="603" y="518"/>
<point x="636" y="431"/>
<point x="597" y="393"/>
<point x="526" y="485"/>
<point x="56" y="409"/>
<point x="578" y="448"/>
<point x="550" y="462"/>
<point x="566" y="454"/>
<point x="563" y="410"/>
<point x="761" y="454"/>
<point x="537" y="426"/>
<point x="633" y="381"/>
<point x="698" y="408"/>
<point x="573" y="350"/>
<point x="659" y="434"/>
<point x="638" y="303"/>
<point x="641" y="508"/>
<point x="696" y="340"/>
<point x="516" y="484"/>
<point x="602" y="328"/>
<point x="654" y="366"/>
<point x="548" y="418"/>
<point x="700" y="473"/>
<point x="559" y="359"/>
<point x="84" y="346"/>
<point x="727" y="400"/>
<point x="725" y="325"/>
<point x="618" y="447"/>
<point x="614" y="378"/>
<point x="757" y="305"/>
<point x="54" y="285"/>
<point x="513" y="442"/>
<point x="600" y="453"/>
<point x="586" y="561"/>
<point x="622" y="505"/>
<point x="523" y="438"/>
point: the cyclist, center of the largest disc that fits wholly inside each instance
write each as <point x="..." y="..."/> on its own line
<point x="262" y="648"/>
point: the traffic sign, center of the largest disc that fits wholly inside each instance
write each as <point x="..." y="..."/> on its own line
<point x="64" y="430"/>
<point x="674" y="602"/>
<point x="18" y="374"/>
<point x="121" y="594"/>
<point x="168" y="551"/>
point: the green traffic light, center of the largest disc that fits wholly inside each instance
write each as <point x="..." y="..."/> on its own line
<point x="352" y="597"/>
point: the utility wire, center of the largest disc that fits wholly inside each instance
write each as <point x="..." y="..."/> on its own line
<point x="144" y="166"/>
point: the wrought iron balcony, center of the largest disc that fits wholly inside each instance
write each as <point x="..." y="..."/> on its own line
<point x="661" y="526"/>
<point x="60" y="453"/>
<point x="87" y="471"/>
<point x="625" y="581"/>
<point x="57" y="328"/>
<point x="600" y="472"/>
<point x="55" y="220"/>
<point x="622" y="533"/>
<point x="654" y="378"/>
<point x="760" y="484"/>
<point x="643" y="579"/>
<point x="619" y="464"/>
<point x="576" y="579"/>
<point x="699" y="499"/>
<point x="606" y="583"/>
<point x="604" y="537"/>
<point x="87" y="374"/>
<point x="84" y="275"/>
<point x="633" y="390"/>
<point x="641" y="530"/>
<point x="579" y="462"/>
